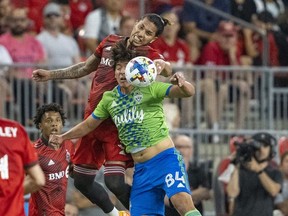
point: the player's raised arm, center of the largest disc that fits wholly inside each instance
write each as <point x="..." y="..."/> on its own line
<point x="75" y="71"/>
<point x="164" y="68"/>
<point x="77" y="131"/>
<point x="181" y="87"/>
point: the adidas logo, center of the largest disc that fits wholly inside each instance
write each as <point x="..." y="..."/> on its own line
<point x="108" y="48"/>
<point x="51" y="162"/>
<point x="180" y="185"/>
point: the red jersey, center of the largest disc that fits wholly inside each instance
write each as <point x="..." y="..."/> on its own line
<point x="104" y="79"/>
<point x="50" y="200"/>
<point x="178" y="53"/>
<point x="16" y="154"/>
<point x="212" y="54"/>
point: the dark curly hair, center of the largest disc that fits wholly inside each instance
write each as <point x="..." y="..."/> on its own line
<point x="47" y="108"/>
<point x="120" y="52"/>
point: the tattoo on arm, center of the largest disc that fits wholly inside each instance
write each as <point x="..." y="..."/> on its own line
<point x="78" y="70"/>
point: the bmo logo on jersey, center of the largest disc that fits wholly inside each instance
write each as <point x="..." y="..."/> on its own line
<point x="107" y="62"/>
<point x="59" y="175"/>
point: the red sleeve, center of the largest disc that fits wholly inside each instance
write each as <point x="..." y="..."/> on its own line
<point x="30" y="157"/>
<point x="99" y="49"/>
<point x="154" y="54"/>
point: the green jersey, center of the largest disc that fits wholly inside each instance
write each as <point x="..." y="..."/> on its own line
<point x="138" y="116"/>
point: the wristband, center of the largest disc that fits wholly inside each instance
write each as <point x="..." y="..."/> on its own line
<point x="260" y="172"/>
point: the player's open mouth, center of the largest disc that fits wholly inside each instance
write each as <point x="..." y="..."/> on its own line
<point x="137" y="39"/>
<point x="54" y="131"/>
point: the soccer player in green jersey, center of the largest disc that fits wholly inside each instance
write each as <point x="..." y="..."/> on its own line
<point x="138" y="114"/>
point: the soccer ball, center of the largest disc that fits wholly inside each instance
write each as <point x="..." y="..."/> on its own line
<point x="140" y="71"/>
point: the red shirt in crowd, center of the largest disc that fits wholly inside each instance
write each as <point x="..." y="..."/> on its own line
<point x="179" y="52"/>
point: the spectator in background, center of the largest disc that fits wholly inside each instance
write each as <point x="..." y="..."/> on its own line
<point x="23" y="48"/>
<point x="174" y="49"/>
<point x="5" y="88"/>
<point x="71" y="209"/>
<point x="5" y="9"/>
<point x="62" y="50"/>
<point x="255" y="183"/>
<point x="222" y="87"/>
<point x="198" y="181"/>
<point x="126" y="25"/>
<point x="79" y="9"/>
<point x="102" y="22"/>
<point x="275" y="7"/>
<point x="243" y="9"/>
<point x="281" y="200"/>
<point x="17" y="157"/>
<point x="200" y="21"/>
<point x="54" y="160"/>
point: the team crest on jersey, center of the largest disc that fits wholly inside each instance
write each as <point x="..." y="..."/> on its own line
<point x="138" y="96"/>
<point x="68" y="156"/>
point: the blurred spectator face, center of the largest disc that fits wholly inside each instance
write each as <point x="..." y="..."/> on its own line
<point x="5" y="8"/>
<point x="184" y="145"/>
<point x="227" y="35"/>
<point x="18" y="21"/>
<point x="52" y="16"/>
<point x="114" y="5"/>
<point x="264" y="152"/>
<point x="126" y="26"/>
<point x="174" y="28"/>
<point x="71" y="210"/>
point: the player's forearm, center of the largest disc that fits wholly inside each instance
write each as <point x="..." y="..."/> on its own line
<point x="72" y="72"/>
<point x="187" y="89"/>
<point x="80" y="130"/>
<point x="272" y="187"/>
<point x="34" y="180"/>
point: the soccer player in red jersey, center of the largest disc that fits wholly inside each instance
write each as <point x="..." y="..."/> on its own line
<point x="16" y="156"/>
<point x="102" y="146"/>
<point x="54" y="160"/>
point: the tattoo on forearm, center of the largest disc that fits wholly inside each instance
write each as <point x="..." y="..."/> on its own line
<point x="75" y="71"/>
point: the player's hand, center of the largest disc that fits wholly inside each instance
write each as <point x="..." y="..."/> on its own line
<point x="160" y="64"/>
<point x="178" y="79"/>
<point x="41" y="75"/>
<point x="55" y="140"/>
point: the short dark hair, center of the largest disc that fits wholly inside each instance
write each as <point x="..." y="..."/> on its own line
<point x="47" y="108"/>
<point x="120" y="52"/>
<point x="158" y="21"/>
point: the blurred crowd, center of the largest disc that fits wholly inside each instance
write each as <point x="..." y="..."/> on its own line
<point x="64" y="32"/>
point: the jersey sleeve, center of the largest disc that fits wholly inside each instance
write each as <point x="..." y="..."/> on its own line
<point x="99" y="49"/>
<point x="101" y="111"/>
<point x="160" y="89"/>
<point x="154" y="54"/>
<point x="30" y="157"/>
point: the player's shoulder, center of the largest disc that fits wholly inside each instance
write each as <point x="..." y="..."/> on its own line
<point x="114" y="38"/>
<point x="10" y="123"/>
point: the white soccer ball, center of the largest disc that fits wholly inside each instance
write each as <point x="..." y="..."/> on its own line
<point x="140" y="71"/>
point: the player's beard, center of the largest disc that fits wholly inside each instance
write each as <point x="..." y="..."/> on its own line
<point x="18" y="31"/>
